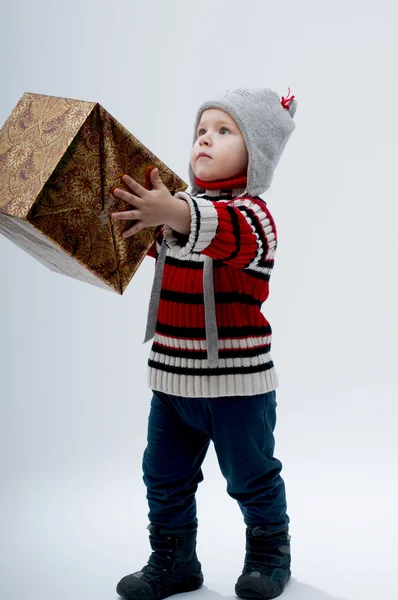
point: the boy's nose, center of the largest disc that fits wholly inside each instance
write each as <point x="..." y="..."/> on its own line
<point x="204" y="140"/>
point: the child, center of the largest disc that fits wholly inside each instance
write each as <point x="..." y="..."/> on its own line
<point x="210" y="367"/>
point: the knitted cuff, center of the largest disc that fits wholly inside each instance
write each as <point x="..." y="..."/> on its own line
<point x="204" y="222"/>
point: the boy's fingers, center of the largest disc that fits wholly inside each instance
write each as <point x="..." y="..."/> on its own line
<point x="155" y="179"/>
<point x="132" y="231"/>
<point x="125" y="215"/>
<point x="125" y="195"/>
<point x="134" y="185"/>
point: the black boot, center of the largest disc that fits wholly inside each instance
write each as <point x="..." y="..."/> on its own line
<point x="267" y="564"/>
<point x="173" y="566"/>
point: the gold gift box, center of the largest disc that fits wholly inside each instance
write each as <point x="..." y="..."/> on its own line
<point x="59" y="159"/>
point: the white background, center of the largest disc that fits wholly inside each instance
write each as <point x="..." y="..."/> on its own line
<point x="74" y="395"/>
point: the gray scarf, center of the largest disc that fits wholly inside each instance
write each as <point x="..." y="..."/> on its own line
<point x="209" y="302"/>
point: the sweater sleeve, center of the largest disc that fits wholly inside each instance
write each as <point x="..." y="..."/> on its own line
<point x="240" y="233"/>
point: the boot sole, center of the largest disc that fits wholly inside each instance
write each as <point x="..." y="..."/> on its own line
<point x="190" y="584"/>
<point x="252" y="594"/>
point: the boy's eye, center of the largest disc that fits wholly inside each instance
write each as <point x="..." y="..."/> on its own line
<point x="222" y="129"/>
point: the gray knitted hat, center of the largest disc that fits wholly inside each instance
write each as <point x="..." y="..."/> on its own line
<point x="266" y="123"/>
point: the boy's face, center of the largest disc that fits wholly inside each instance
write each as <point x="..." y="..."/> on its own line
<point x="220" y="138"/>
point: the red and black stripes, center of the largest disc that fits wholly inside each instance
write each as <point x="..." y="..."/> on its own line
<point x="239" y="234"/>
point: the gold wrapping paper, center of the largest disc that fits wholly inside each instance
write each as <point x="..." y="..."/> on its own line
<point x="59" y="158"/>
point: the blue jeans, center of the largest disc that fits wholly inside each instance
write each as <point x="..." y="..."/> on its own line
<point x="241" y="428"/>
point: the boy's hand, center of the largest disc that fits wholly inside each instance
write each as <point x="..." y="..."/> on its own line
<point x="150" y="206"/>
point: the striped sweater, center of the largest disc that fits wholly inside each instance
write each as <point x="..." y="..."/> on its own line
<point x="239" y="236"/>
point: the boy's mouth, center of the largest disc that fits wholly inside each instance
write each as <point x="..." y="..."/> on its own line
<point x="202" y="155"/>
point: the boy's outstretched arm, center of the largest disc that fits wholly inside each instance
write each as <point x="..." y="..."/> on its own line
<point x="240" y="232"/>
<point x="179" y="219"/>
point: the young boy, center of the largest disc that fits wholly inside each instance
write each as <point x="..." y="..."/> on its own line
<point x="210" y="367"/>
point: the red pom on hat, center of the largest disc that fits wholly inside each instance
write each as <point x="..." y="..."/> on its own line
<point x="286" y="101"/>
